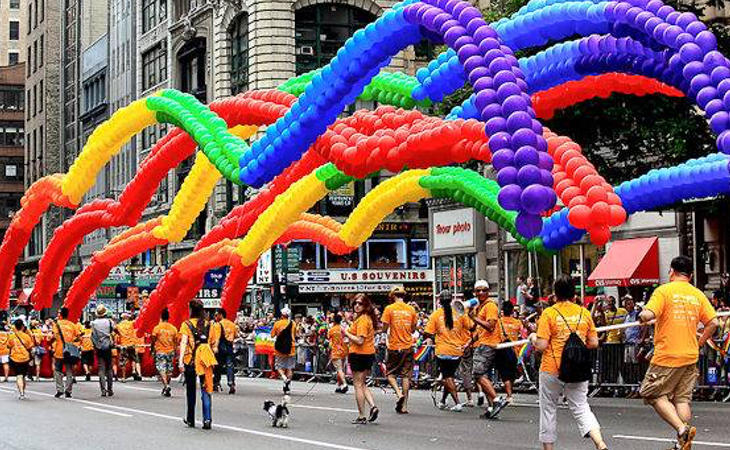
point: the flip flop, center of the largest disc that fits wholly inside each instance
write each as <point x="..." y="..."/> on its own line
<point x="374" y="411"/>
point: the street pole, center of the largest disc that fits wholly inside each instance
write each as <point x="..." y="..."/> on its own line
<point x="276" y="292"/>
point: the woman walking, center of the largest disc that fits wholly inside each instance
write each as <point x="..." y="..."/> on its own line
<point x="21" y="348"/>
<point x="198" y="360"/>
<point x="362" y="355"/>
<point x="452" y="336"/>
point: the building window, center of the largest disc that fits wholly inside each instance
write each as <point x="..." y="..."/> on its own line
<point x="386" y="253"/>
<point x="35" y="19"/>
<point x="308" y="254"/>
<point x="40" y="50"/>
<point x="42" y="10"/>
<point x="419" y="254"/>
<point x="239" y="54"/>
<point x="11" y="98"/>
<point x="14" y="30"/>
<point x="154" y="12"/>
<point x="321" y="30"/>
<point x="40" y="100"/>
<point x="30" y="17"/>
<point x="154" y="67"/>
<point x="27" y="102"/>
<point x="14" y="4"/>
<point x="35" y="98"/>
<point x="192" y="68"/>
<point x="29" y="55"/>
<point x="11" y="134"/>
<point x="13" y="58"/>
<point x="35" y="56"/>
<point x="348" y="261"/>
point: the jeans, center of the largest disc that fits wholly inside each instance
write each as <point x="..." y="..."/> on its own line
<point x="106" y="375"/>
<point x="58" y="365"/>
<point x="190" y="385"/>
<point x="225" y="364"/>
<point x="576" y="394"/>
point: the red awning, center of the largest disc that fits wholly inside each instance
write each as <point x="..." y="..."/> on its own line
<point x="631" y="262"/>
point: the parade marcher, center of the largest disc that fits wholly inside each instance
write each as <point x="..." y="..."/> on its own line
<point x="39" y="348"/>
<point x="127" y="348"/>
<point x="559" y="327"/>
<point x="338" y="353"/>
<point x="4" y="351"/>
<point x="224" y="333"/>
<point x="506" y="359"/>
<point x="452" y="335"/>
<point x="361" y="334"/>
<point x="163" y="340"/>
<point x="87" y="350"/>
<point x="102" y="338"/>
<point x="399" y="321"/>
<point x="197" y="360"/>
<point x="678" y="308"/>
<point x="486" y="316"/>
<point x="285" y="331"/>
<point x="66" y="353"/>
<point x="20" y="344"/>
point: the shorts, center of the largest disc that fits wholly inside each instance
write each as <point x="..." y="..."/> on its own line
<point x="484" y="356"/>
<point x="164" y="362"/>
<point x="448" y="367"/>
<point x="338" y="364"/>
<point x="127" y="354"/>
<point x="466" y="366"/>
<point x="20" y="368"/>
<point x="4" y="359"/>
<point x="285" y="362"/>
<point x="506" y="365"/>
<point x="361" y="363"/>
<point x="87" y="357"/>
<point x="675" y="383"/>
<point x="399" y="363"/>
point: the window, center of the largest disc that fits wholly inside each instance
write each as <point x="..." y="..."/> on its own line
<point x="11" y="170"/>
<point x="308" y="254"/>
<point x="27" y="59"/>
<point x="11" y="134"/>
<point x="40" y="50"/>
<point x="386" y="253"/>
<point x="192" y="59"/>
<point x="14" y="30"/>
<point x="321" y="30"/>
<point x="35" y="98"/>
<point x="13" y="58"/>
<point x="40" y="100"/>
<point x="42" y="10"/>
<point x="35" y="56"/>
<point x="14" y="4"/>
<point x="420" y="257"/>
<point x="154" y="67"/>
<point x="239" y="54"/>
<point x="30" y="17"/>
<point x="154" y="12"/>
<point x="11" y="98"/>
<point x="349" y="261"/>
<point x="35" y="19"/>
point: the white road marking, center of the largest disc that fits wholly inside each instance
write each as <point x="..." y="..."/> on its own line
<point x="324" y="408"/>
<point x="137" y="388"/>
<point x="655" y="439"/>
<point x="224" y="427"/>
<point x="105" y="411"/>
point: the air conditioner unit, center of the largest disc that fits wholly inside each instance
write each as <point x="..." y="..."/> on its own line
<point x="306" y="50"/>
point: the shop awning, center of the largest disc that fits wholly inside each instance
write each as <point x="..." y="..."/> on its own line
<point x="631" y="262"/>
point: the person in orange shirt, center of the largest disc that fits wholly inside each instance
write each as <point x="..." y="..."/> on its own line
<point x="225" y="333"/>
<point x="338" y="353"/>
<point x="362" y="356"/>
<point x="678" y="308"/>
<point x="39" y="349"/>
<point x="556" y="324"/>
<point x="163" y="340"/>
<point x="285" y="331"/>
<point x="87" y="349"/>
<point x="127" y="348"/>
<point x="452" y="336"/>
<point x="486" y="317"/>
<point x="20" y="344"/>
<point x="506" y="359"/>
<point x="4" y="351"/>
<point x="399" y="321"/>
<point x="65" y="332"/>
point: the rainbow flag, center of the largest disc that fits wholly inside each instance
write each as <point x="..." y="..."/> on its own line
<point x="525" y="352"/>
<point x="264" y="342"/>
<point x="422" y="353"/>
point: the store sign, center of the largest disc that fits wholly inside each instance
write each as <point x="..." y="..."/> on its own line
<point x="367" y="276"/>
<point x="263" y="269"/>
<point x="455" y="231"/>
<point x="344" y="288"/>
<point x="142" y="275"/>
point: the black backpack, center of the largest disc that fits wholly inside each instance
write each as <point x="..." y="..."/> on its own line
<point x="200" y="336"/>
<point x="575" y="361"/>
<point x="284" y="340"/>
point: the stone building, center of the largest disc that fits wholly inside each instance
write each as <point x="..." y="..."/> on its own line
<point x="15" y="21"/>
<point x="12" y="137"/>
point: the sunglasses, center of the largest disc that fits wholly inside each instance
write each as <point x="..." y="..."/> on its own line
<point x="481" y="290"/>
<point x="359" y="304"/>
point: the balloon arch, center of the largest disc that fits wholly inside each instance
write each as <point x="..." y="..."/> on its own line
<point x="634" y="47"/>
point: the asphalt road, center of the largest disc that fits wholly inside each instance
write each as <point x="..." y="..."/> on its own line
<point x="138" y="417"/>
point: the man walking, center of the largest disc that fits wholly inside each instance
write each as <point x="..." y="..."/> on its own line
<point x="678" y="308"/>
<point x="164" y="338"/>
<point x="128" y="350"/>
<point x="399" y="321"/>
<point x="284" y="331"/>
<point x="101" y="338"/>
<point x="65" y="333"/>
<point x="224" y="332"/>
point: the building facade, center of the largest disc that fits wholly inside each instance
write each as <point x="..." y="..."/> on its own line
<point x="15" y="21"/>
<point x="12" y="137"/>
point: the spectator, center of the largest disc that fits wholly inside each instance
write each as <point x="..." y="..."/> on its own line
<point x="633" y="338"/>
<point x="39" y="349"/>
<point x="102" y="338"/>
<point x="521" y="294"/>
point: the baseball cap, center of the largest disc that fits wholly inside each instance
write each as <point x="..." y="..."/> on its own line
<point x="285" y="311"/>
<point x="397" y="290"/>
<point x="481" y="284"/>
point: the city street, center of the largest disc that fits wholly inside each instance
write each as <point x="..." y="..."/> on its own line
<point x="138" y="417"/>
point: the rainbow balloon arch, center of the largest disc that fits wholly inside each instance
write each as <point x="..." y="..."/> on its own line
<point x="633" y="47"/>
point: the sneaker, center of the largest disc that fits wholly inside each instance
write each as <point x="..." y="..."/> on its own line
<point x="684" y="440"/>
<point x="88" y="377"/>
<point x="287" y="389"/>
<point x="469" y="403"/>
<point x="497" y="407"/>
<point x="110" y="393"/>
<point x="374" y="412"/>
<point x="189" y="424"/>
<point x="103" y="393"/>
<point x="58" y="394"/>
<point x="345" y="388"/>
<point x="168" y="392"/>
<point x="338" y="390"/>
<point x="360" y="421"/>
<point x="457" y="408"/>
<point x="480" y="400"/>
<point x="231" y="390"/>
<point x="441" y="405"/>
<point x="68" y="395"/>
<point x="163" y="392"/>
<point x="207" y="425"/>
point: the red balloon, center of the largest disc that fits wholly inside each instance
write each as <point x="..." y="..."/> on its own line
<point x="596" y="194"/>
<point x="590" y="181"/>
<point x="573" y="164"/>
<point x="577" y="200"/>
<point x="612" y="198"/>
<point x="582" y="172"/>
<point x="569" y="194"/>
<point x="563" y="185"/>
<point x="617" y="215"/>
<point x="600" y="213"/>
<point x="599" y="235"/>
<point x="579" y="216"/>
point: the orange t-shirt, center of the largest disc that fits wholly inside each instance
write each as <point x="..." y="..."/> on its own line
<point x="165" y="337"/>
<point x="486" y="313"/>
<point x="20" y="344"/>
<point x="127" y="336"/>
<point x="185" y="329"/>
<point x="363" y="326"/>
<point x="4" y="349"/>
<point x="86" y="344"/>
<point x="449" y="342"/>
<point x="71" y="334"/>
<point x="278" y="327"/>
<point x="554" y="329"/>
<point x="337" y="343"/>
<point x="679" y="307"/>
<point x="401" y="319"/>
<point x="227" y="328"/>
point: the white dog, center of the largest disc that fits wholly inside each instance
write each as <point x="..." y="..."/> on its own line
<point x="279" y="414"/>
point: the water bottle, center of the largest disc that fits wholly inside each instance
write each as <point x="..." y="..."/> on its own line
<point x="308" y="366"/>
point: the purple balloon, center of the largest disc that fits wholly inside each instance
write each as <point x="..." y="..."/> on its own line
<point x="537" y="128"/>
<point x="467" y="49"/>
<point x="685" y="19"/>
<point x="513" y="103"/>
<point x="546" y="178"/>
<point x="714" y="106"/>
<point x="654" y="5"/>
<point x="670" y="34"/>
<point x="507" y="175"/>
<point x="632" y="13"/>
<point x="653" y="24"/>
<point x="683" y="38"/>
<point x="476" y="74"/>
<point x="695" y="28"/>
<point x="545" y="161"/>
<point x="699" y="81"/>
<point x="692" y="68"/>
<point x="430" y="15"/>
<point x="524" y="136"/>
<point x="488" y="44"/>
<point x="499" y="64"/>
<point x="458" y="8"/>
<point x="462" y="41"/>
<point x="517" y="120"/>
<point x="485" y="97"/>
<point x="705" y="95"/>
<point x="690" y="52"/>
<point x="499" y="141"/>
<point x="448" y="25"/>
<point x="665" y="11"/>
<point x="535" y="199"/>
<point x="452" y="34"/>
<point x="723" y="86"/>
<point x="719" y="121"/>
<point x="493" y="110"/>
<point x="468" y="14"/>
<point x="506" y="90"/>
<point x="473" y="62"/>
<point x="528" y="175"/>
<point x="504" y="76"/>
<point x="484" y="83"/>
<point x="621" y="10"/>
<point x="714" y="61"/>
<point x="723" y="141"/>
<point x="528" y="225"/>
<point x="485" y="32"/>
<point x="509" y="197"/>
<point x="642" y="18"/>
<point x="503" y="158"/>
<point x="527" y="156"/>
<point x="495" y="125"/>
<point x="706" y="40"/>
<point x="474" y="25"/>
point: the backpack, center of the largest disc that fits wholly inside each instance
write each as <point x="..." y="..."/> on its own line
<point x="199" y="337"/>
<point x="284" y="340"/>
<point x="100" y="340"/>
<point x="575" y="360"/>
